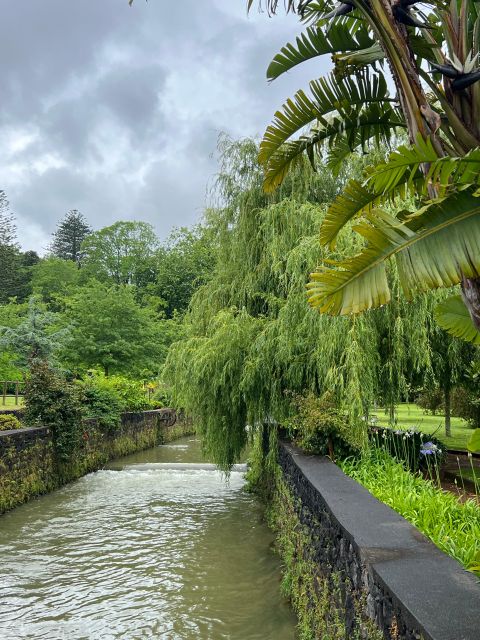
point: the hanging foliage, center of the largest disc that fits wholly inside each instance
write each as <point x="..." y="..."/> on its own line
<point x="252" y="341"/>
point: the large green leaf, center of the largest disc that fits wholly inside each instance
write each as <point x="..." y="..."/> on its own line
<point x="441" y="172"/>
<point x="314" y="42"/>
<point x="346" y="97"/>
<point x="432" y="249"/>
<point x="352" y="61"/>
<point x="357" y="198"/>
<point x="375" y="122"/>
<point x="452" y="315"/>
<point x="473" y="444"/>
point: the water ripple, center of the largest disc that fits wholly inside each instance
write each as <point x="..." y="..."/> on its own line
<point x="139" y="554"/>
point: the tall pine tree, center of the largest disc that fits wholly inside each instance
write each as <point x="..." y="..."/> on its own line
<point x="9" y="251"/>
<point x="68" y="238"/>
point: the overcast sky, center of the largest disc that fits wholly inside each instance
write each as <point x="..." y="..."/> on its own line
<point x="115" y="110"/>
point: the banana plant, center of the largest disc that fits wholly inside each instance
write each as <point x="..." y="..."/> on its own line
<point x="432" y="60"/>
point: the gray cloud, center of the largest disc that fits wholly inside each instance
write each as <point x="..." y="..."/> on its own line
<point x="116" y="111"/>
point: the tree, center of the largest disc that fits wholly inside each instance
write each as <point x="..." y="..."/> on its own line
<point x="121" y="254"/>
<point x="26" y="263"/>
<point x="36" y="337"/>
<point x="69" y="236"/>
<point x="183" y="264"/>
<point x="9" y="252"/>
<point x="53" y="278"/>
<point x="251" y="337"/>
<point x="110" y="330"/>
<point x="439" y="244"/>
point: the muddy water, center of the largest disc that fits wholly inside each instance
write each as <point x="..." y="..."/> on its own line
<point x="144" y="549"/>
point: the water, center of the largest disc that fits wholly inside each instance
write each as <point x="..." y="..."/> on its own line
<point x="138" y="552"/>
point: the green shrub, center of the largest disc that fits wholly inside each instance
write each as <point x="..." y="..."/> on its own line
<point x="52" y="401"/>
<point x="430" y="400"/>
<point x="9" y="422"/>
<point x="131" y="393"/>
<point x="161" y="397"/>
<point x="466" y="405"/>
<point x="320" y="427"/>
<point x="101" y="403"/>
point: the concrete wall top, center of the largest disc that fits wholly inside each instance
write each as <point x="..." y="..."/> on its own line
<point x="433" y="589"/>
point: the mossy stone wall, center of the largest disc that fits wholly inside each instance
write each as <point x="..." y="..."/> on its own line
<point x="28" y="466"/>
<point x="357" y="570"/>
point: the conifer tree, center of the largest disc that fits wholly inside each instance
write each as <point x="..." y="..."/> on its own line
<point x="68" y="238"/>
<point x="9" y="252"/>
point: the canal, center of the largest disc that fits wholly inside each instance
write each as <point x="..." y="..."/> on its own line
<point x="144" y="549"/>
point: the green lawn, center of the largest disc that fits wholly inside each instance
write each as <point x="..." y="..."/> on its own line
<point x="10" y="402"/>
<point x="409" y="416"/>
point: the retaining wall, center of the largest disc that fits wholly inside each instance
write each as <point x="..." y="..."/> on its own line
<point x="372" y="564"/>
<point x="28" y="466"/>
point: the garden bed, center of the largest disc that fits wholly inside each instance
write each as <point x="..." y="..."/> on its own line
<point x="351" y="559"/>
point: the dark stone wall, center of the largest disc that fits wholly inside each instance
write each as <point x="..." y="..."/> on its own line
<point x="387" y="568"/>
<point x="28" y="466"/>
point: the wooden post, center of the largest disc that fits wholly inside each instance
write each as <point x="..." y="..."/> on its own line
<point x="16" y="392"/>
<point x="5" y="393"/>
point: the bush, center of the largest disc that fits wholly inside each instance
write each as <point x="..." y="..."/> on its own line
<point x="131" y="393"/>
<point x="466" y="405"/>
<point x="430" y="400"/>
<point x="52" y="401"/>
<point x="161" y="397"/>
<point x="319" y="427"/>
<point x="419" y="451"/>
<point x="9" y="422"/>
<point x="101" y="403"/>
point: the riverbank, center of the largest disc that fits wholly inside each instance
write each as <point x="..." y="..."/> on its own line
<point x="28" y="466"/>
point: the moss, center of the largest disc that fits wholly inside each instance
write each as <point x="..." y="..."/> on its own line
<point x="34" y="470"/>
<point x="317" y="593"/>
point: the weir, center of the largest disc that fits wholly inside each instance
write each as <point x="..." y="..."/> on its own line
<point x="174" y="466"/>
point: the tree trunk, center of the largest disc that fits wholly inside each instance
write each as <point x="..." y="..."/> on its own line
<point x="447" y="390"/>
<point x="471" y="298"/>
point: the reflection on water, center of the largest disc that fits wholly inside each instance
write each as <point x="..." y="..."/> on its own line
<point x="142" y="553"/>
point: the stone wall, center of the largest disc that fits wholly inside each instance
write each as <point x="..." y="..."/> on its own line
<point x="27" y="463"/>
<point x="357" y="569"/>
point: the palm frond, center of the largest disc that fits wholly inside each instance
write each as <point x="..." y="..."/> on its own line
<point x="443" y="172"/>
<point x="272" y="5"/>
<point x="377" y="121"/>
<point x="452" y="315"/>
<point x="352" y="61"/>
<point x="330" y="94"/>
<point x="432" y="249"/>
<point x="315" y="42"/>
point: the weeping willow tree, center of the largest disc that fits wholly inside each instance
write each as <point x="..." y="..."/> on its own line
<point x="250" y="334"/>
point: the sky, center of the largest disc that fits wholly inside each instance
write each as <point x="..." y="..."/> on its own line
<point x="116" y="110"/>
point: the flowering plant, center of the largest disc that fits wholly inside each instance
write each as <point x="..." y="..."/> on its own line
<point x="416" y="449"/>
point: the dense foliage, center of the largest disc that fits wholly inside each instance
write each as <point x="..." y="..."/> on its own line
<point x="252" y="341"/>
<point x="8" y="422"/>
<point x="112" y="298"/>
<point x="417" y="450"/>
<point x="435" y="241"/>
<point x="52" y="401"/>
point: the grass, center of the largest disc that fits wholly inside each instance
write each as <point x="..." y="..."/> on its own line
<point x="453" y="526"/>
<point x="10" y="402"/>
<point x="409" y="415"/>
